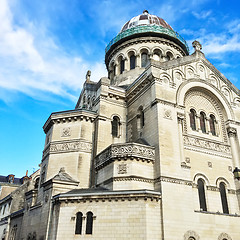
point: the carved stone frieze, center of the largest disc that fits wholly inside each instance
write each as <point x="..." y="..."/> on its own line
<point x="127" y="150"/>
<point x="206" y="144"/>
<point x="68" y="146"/>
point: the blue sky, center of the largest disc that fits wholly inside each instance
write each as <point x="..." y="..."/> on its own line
<point x="46" y="48"/>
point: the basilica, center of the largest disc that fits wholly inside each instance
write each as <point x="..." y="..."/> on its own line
<point x="151" y="152"/>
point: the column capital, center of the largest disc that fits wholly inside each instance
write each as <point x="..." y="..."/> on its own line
<point x="232" y="132"/>
<point x="180" y="117"/>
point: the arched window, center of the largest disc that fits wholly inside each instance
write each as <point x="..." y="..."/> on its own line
<point x="122" y="66"/>
<point x="212" y="126"/>
<point x="144" y="59"/>
<point x="89" y="224"/>
<point x="203" y="122"/>
<point x="201" y="194"/>
<point x="193" y="119"/>
<point x="141" y="117"/>
<point x="157" y="55"/>
<point x="78" y="227"/>
<point x="169" y="56"/>
<point x="132" y="62"/>
<point x="36" y="183"/>
<point x="114" y="70"/>
<point x="115" y="126"/>
<point x="224" y="198"/>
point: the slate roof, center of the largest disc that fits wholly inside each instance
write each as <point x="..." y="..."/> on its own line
<point x="63" y="176"/>
<point x="4" y="179"/>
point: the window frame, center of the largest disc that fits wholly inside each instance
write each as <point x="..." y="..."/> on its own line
<point x="89" y="223"/>
<point x="202" y="194"/>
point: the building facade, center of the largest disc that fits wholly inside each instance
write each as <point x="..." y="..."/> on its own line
<point x="150" y="152"/>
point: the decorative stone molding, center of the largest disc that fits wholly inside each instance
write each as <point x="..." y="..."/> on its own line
<point x="231" y="191"/>
<point x="122" y="168"/>
<point x="232" y="132"/>
<point x="224" y="236"/>
<point x="68" y="116"/>
<point x="197" y="45"/>
<point x="191" y="235"/>
<point x="210" y="164"/>
<point x="67" y="146"/>
<point x="125" y="151"/>
<point x="206" y="144"/>
<point x="213" y="188"/>
<point x="66" y="132"/>
<point x="131" y="178"/>
<point x="180" y="117"/>
<point x="238" y="192"/>
<point x="184" y="165"/>
<point x="107" y="196"/>
<point x="174" y="180"/>
<point x="168" y="114"/>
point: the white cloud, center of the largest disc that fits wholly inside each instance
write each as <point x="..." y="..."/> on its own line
<point x="202" y="14"/>
<point x="31" y="64"/>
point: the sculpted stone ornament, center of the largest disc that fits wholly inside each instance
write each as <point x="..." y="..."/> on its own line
<point x="88" y="75"/>
<point x="231" y="131"/>
<point x="197" y="45"/>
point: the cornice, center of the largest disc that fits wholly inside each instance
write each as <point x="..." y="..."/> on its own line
<point x="127" y="178"/>
<point x="69" y="116"/>
<point x="109" y="196"/>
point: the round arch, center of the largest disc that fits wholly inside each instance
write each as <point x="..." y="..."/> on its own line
<point x="188" y="85"/>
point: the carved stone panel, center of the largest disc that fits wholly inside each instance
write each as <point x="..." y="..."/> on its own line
<point x="200" y="143"/>
<point x="68" y="146"/>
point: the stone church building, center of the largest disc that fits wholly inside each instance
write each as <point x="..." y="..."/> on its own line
<point x="150" y="152"/>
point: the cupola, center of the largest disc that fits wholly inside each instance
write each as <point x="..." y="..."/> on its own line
<point x="141" y="38"/>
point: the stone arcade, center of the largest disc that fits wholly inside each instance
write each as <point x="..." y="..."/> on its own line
<point x="151" y="152"/>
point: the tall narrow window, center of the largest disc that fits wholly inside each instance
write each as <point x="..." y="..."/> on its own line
<point x="224" y="198"/>
<point x="201" y="194"/>
<point x="122" y="66"/>
<point x="89" y="224"/>
<point x="212" y="126"/>
<point x="132" y="62"/>
<point x="114" y="70"/>
<point x="36" y="183"/>
<point x="78" y="227"/>
<point x="144" y="60"/>
<point x="115" y="126"/>
<point x="141" y="117"/>
<point x="203" y="122"/>
<point x="193" y="119"/>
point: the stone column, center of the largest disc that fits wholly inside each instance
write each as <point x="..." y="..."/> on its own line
<point x="232" y="134"/>
<point x="138" y="63"/>
<point x="180" y="119"/>
<point x="197" y="121"/>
